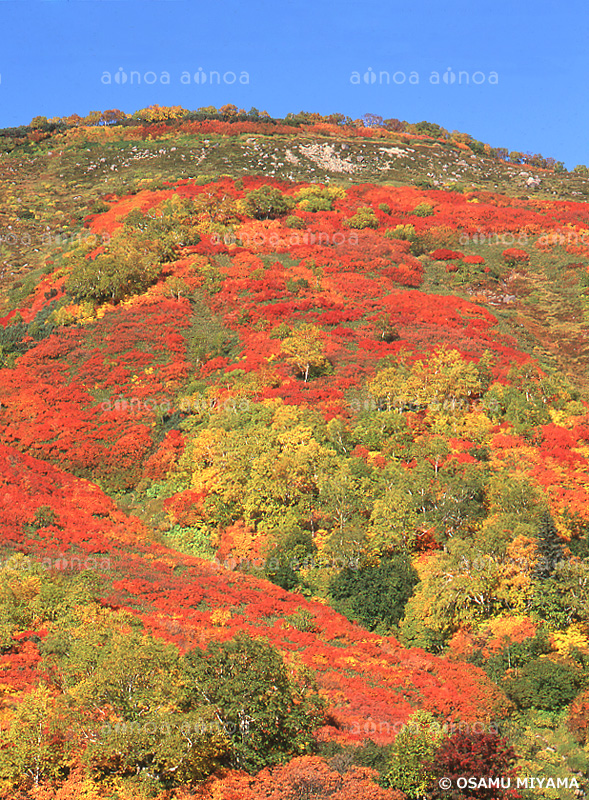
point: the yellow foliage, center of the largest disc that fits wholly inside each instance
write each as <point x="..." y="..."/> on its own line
<point x="220" y="617"/>
<point x="558" y="416"/>
<point x="444" y="383"/>
<point x="73" y="313"/>
<point x="304" y="349"/>
<point x="575" y="636"/>
<point x="331" y="192"/>
<point x="394" y="522"/>
<point x="475" y="425"/>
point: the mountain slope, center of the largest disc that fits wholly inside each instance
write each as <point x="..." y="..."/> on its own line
<point x="351" y="377"/>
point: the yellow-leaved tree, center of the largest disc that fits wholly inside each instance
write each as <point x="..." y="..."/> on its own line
<point x="305" y="350"/>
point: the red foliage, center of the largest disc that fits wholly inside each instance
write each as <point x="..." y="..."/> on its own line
<point x="360" y="679"/>
<point x="85" y="400"/>
<point x="49" y="411"/>
<point x="308" y="776"/>
<point x="578" y="717"/>
<point x="515" y="256"/>
<point x="186" y="508"/>
<point x="159" y="464"/>
<point x="474" y="755"/>
<point x="18" y="667"/>
<point x="446" y="255"/>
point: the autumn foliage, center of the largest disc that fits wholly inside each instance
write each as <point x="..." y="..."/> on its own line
<point x="251" y="405"/>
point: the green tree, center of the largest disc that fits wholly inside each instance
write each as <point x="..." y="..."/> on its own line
<point x="39" y="122"/>
<point x="31" y="748"/>
<point x="446" y="380"/>
<point x="395" y="517"/>
<point x="112" y="663"/>
<point x="414" y="746"/>
<point x="563" y="599"/>
<point x="429" y="129"/>
<point x="454" y="592"/>
<point x="170" y="226"/>
<point x="122" y="692"/>
<point x="165" y="749"/>
<point x="549" y="546"/>
<point x="268" y="714"/>
<point x="343" y="502"/>
<point x="176" y="287"/>
<point x="544" y="683"/>
<point x="375" y="595"/>
<point x="285" y="560"/>
<point x="513" y="655"/>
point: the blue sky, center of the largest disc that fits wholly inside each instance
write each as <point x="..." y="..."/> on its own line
<point x="526" y="63"/>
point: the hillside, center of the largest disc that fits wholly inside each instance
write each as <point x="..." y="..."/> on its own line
<point x="326" y="388"/>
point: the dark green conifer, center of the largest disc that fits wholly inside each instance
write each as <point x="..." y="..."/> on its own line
<point x="549" y="548"/>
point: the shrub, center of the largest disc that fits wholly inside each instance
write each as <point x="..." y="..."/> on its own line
<point x="267" y="202"/>
<point x="425" y="242"/>
<point x="316" y="203"/>
<point x="99" y="207"/>
<point x="282" y="331"/>
<point x="437" y="236"/>
<point x="169" y="226"/>
<point x="423" y="210"/>
<point x="319" y="198"/>
<point x="124" y="269"/>
<point x="363" y="218"/>
<point x="44" y="516"/>
<point x="295" y="286"/>
<point x="445" y="255"/>
<point x="292" y="221"/>
<point x="467" y="754"/>
<point x="301" y="620"/>
<point x="404" y="232"/>
<point x="389" y="333"/>
<point x="514" y="257"/>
